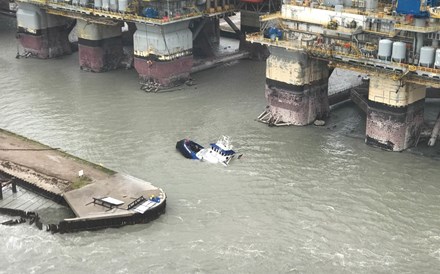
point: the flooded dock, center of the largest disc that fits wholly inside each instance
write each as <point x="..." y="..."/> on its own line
<point x="98" y="197"/>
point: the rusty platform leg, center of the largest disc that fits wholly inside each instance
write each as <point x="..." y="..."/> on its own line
<point x="99" y="46"/>
<point x="395" y="113"/>
<point x="163" y="54"/>
<point x="40" y="34"/>
<point x="296" y="88"/>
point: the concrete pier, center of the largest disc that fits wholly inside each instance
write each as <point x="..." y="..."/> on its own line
<point x="42" y="35"/>
<point x="296" y="87"/>
<point x="395" y="113"/>
<point x="99" y="46"/>
<point x="163" y="54"/>
<point x="25" y="200"/>
<point x="99" y="197"/>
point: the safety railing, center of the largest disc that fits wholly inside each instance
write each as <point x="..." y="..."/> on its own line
<point x="412" y="28"/>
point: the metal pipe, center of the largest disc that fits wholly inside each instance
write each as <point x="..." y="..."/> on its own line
<point x="218" y="61"/>
<point x="435" y="132"/>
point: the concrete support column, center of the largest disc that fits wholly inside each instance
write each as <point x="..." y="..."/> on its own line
<point x="395" y="113"/>
<point x="42" y="35"/>
<point x="163" y="54"/>
<point x="296" y="87"/>
<point x="208" y="39"/>
<point x="99" y="46"/>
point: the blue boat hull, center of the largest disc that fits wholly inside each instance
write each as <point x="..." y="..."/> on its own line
<point x="188" y="148"/>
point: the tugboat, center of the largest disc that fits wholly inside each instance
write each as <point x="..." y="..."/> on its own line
<point x="219" y="152"/>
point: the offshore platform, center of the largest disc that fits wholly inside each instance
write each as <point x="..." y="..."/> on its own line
<point x="395" y="42"/>
<point x="164" y="34"/>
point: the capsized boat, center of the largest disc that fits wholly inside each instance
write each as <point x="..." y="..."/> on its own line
<point x="188" y="148"/>
<point x="219" y="152"/>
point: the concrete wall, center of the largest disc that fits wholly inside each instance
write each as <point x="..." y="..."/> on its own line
<point x="95" y="32"/>
<point x="293" y="68"/>
<point x="296" y="87"/>
<point x="395" y="113"/>
<point x="99" y="46"/>
<point x="32" y="18"/>
<point x="386" y="91"/>
<point x="163" y="40"/>
<point x="40" y="34"/>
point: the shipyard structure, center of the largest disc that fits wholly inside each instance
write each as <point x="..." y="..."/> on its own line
<point x="164" y="34"/>
<point x="395" y="42"/>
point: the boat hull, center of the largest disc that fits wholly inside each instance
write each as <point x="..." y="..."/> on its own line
<point x="188" y="148"/>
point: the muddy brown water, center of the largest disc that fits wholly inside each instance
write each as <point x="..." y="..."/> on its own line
<point x="301" y="199"/>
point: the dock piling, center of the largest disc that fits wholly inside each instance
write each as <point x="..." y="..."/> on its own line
<point x="14" y="186"/>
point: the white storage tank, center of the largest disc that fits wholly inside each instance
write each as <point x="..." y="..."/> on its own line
<point x="427" y="55"/>
<point x="75" y="2"/>
<point x="113" y="5"/>
<point x="122" y="5"/>
<point x="437" y="58"/>
<point x="83" y="2"/>
<point x="339" y="8"/>
<point x="384" y="51"/>
<point x="98" y="4"/>
<point x="399" y="52"/>
<point x="371" y="5"/>
<point x="105" y="4"/>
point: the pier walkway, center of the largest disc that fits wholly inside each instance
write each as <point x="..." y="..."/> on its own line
<point x="99" y="197"/>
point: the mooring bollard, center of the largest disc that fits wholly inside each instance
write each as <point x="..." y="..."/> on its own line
<point x="14" y="186"/>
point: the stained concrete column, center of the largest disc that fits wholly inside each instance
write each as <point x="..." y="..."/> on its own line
<point x="99" y="46"/>
<point x="296" y="87"/>
<point x="42" y="35"/>
<point x="395" y="113"/>
<point x="163" y="54"/>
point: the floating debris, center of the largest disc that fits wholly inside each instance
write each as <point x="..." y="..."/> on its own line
<point x="319" y="123"/>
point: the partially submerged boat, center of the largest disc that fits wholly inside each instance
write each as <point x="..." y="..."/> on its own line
<point x="188" y="148"/>
<point x="219" y="152"/>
